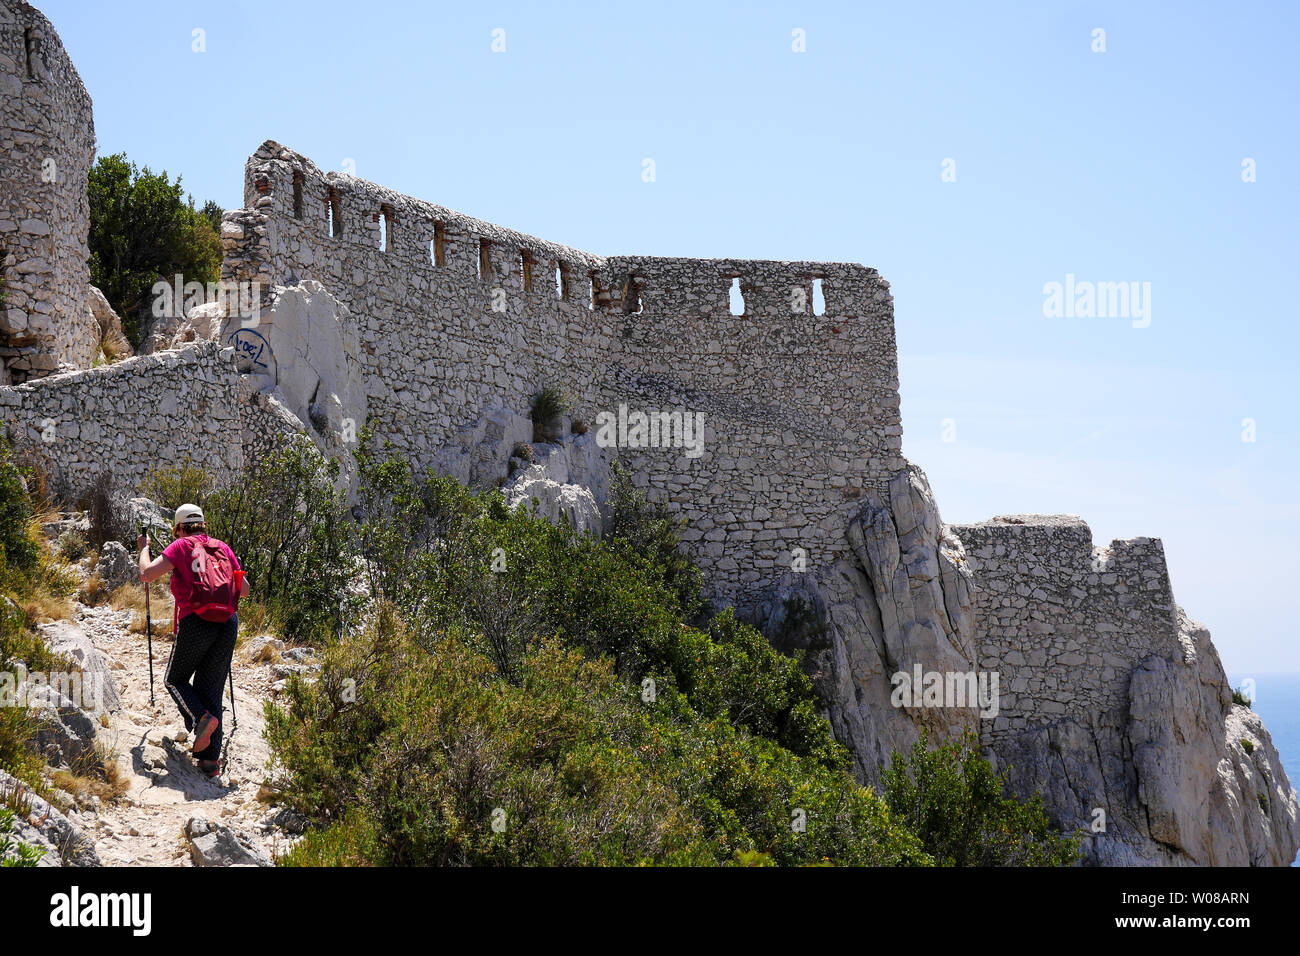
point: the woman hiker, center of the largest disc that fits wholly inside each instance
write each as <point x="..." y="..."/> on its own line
<point x="207" y="583"/>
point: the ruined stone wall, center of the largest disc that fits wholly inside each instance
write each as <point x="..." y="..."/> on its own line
<point x="47" y="144"/>
<point x="457" y="315"/>
<point x="133" y="417"/>
<point x="1063" y="622"/>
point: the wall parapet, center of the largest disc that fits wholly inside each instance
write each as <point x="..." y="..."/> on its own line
<point x="799" y="397"/>
<point x="1064" y="621"/>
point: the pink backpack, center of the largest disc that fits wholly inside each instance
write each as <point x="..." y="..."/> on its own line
<point x="215" y="596"/>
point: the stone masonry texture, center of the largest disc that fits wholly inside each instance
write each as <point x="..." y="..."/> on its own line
<point x="47" y="143"/>
<point x="457" y="315"/>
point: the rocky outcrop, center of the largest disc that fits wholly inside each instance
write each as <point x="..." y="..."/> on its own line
<point x="303" y="351"/>
<point x="100" y="692"/>
<point x="115" y="566"/>
<point x="111" y="343"/>
<point x="212" y="844"/>
<point x="1210" y="788"/>
<point x="1115" y="705"/>
<point x="563" y="481"/>
<point x="47" y="828"/>
<point x="904" y="603"/>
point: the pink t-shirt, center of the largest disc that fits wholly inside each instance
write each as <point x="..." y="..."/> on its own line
<point x="180" y="553"/>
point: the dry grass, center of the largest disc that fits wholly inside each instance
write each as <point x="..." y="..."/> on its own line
<point x="267" y="654"/>
<point x="93" y="592"/>
<point x="253" y="619"/>
<point x="130" y="597"/>
<point x="97" y="777"/>
<point x="17" y="797"/>
<point x="43" y="607"/>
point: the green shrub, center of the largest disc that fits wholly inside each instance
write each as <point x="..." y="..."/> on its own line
<point x="72" y="546"/>
<point x="13" y="852"/>
<point x="407" y="755"/>
<point x="19" y="549"/>
<point x="952" y="798"/>
<point x="520" y="673"/>
<point x="28" y="576"/>
<point x="142" y="229"/>
<point x="1247" y="745"/>
<point x="174" y="485"/>
<point x="549" y="404"/>
<point x="288" y="523"/>
<point x="642" y="530"/>
<point x="1239" y="697"/>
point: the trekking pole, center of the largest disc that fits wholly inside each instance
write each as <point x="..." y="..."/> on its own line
<point x="148" y="619"/>
<point x="234" y="723"/>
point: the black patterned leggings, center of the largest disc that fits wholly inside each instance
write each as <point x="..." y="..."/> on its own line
<point x="197" y="671"/>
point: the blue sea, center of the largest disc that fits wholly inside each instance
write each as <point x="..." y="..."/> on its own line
<point x="1277" y="701"/>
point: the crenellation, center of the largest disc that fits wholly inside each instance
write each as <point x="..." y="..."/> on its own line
<point x="457" y="315"/>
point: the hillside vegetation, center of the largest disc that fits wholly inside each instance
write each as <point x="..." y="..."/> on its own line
<point x="497" y="690"/>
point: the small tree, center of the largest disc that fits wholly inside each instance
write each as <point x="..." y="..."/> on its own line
<point x="143" y="230"/>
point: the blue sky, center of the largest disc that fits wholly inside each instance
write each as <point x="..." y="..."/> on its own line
<point x="1115" y="166"/>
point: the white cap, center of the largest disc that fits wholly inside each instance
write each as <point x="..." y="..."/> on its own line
<point x="188" y="514"/>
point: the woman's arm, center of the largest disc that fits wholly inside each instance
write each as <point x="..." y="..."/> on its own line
<point x="151" y="570"/>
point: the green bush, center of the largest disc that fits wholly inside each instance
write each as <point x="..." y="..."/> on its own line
<point x="13" y="852"/>
<point x="548" y="404"/>
<point x="407" y="755"/>
<point x="952" y="798"/>
<point x="526" y="694"/>
<point x="288" y="523"/>
<point x="174" y="485"/>
<point x="26" y="572"/>
<point x="19" y="550"/>
<point x="644" y="531"/>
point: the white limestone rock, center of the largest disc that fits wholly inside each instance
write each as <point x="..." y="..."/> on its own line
<point x="1203" y="794"/>
<point x="98" y="687"/>
<point x="110" y="341"/>
<point x="906" y="601"/>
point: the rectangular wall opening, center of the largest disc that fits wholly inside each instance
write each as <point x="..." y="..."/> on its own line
<point x="334" y="212"/>
<point x="297" y="194"/>
<point x="385" y="218"/>
<point x="438" y="245"/>
<point x="561" y="281"/>
<point x="819" y="297"/>
<point x="526" y="269"/>
<point x="484" y="258"/>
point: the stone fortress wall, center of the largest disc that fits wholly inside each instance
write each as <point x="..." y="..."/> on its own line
<point x="1062" y="621"/>
<point x="133" y="417"/>
<point x="447" y="326"/>
<point x="47" y="144"/>
<point x="457" y="315"/>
